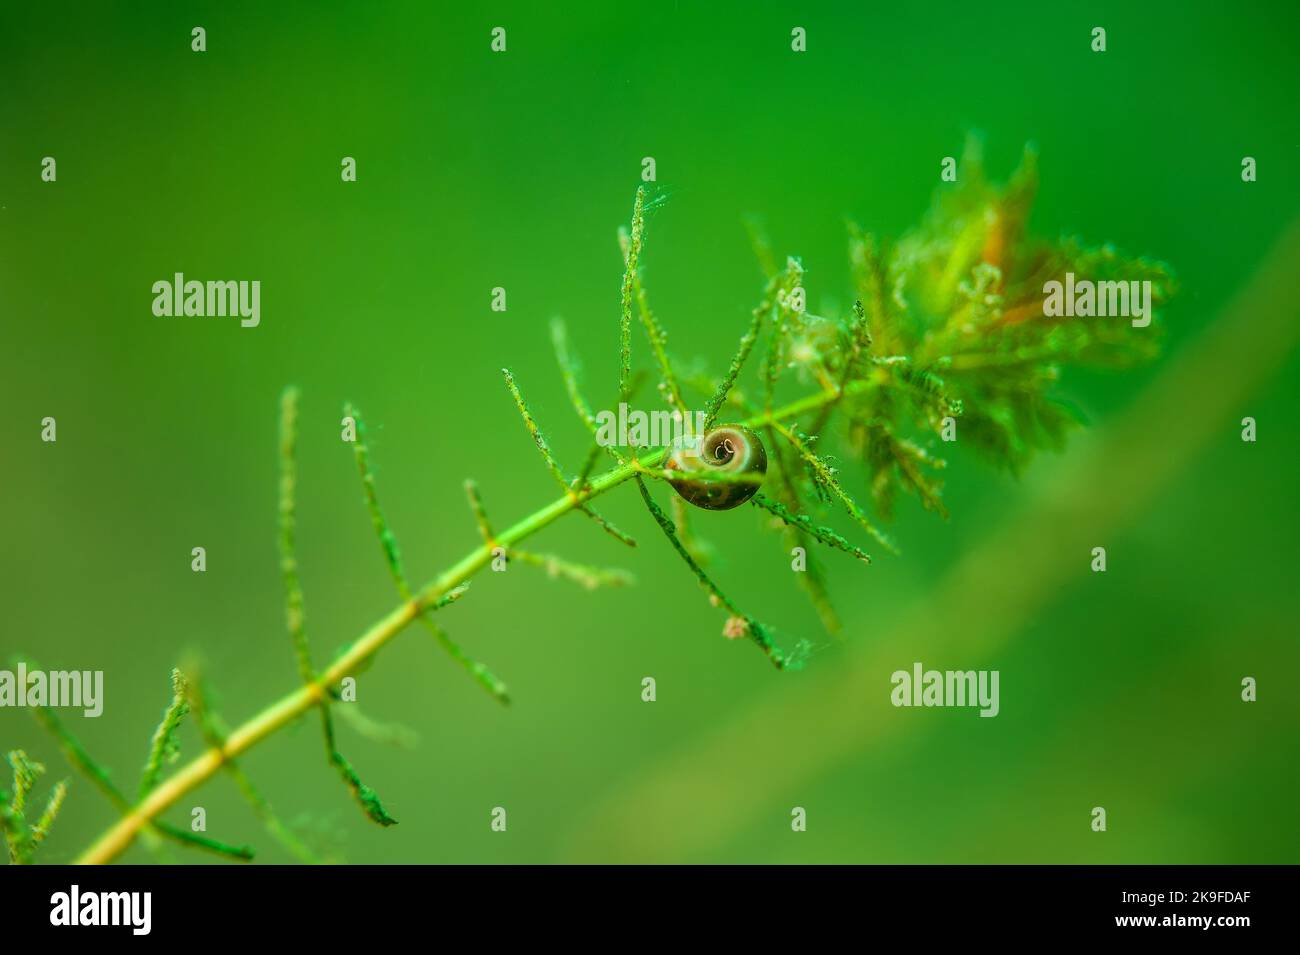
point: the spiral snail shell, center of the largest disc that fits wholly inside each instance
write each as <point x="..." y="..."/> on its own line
<point x="727" y="449"/>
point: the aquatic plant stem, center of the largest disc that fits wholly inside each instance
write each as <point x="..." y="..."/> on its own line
<point x="284" y="711"/>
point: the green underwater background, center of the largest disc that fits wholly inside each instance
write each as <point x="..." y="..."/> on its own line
<point x="478" y="170"/>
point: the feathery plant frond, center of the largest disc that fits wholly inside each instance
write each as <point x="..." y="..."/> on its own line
<point x="962" y="297"/>
<point x="948" y="326"/>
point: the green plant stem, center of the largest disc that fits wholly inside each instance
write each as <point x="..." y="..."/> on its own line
<point x="288" y="708"/>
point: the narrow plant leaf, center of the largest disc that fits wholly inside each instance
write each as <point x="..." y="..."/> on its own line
<point x="588" y="465"/>
<point x="14" y="829"/>
<point x="569" y="370"/>
<point x="534" y="431"/>
<point x="629" y="274"/>
<point x="776" y="345"/>
<point x="366" y="797"/>
<point x="388" y="542"/>
<point x="761" y="246"/>
<point x="25" y="772"/>
<point x="80" y="759"/>
<point x="480" y="513"/>
<point x="293" y="600"/>
<point x="51" y="812"/>
<point x="818" y="532"/>
<point x="378" y="731"/>
<point x="825" y="475"/>
<point x="553" y="466"/>
<point x="811" y="581"/>
<point x="670" y="388"/>
<point x="214" y="734"/>
<point x="859" y="343"/>
<point x="18" y="836"/>
<point x="739" y="624"/>
<point x="742" y="353"/>
<point x="196" y="841"/>
<point x="699" y="549"/>
<point x="293" y="590"/>
<point x="699" y="477"/>
<point x="99" y="777"/>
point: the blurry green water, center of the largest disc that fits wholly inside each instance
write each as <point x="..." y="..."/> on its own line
<point x="478" y="170"/>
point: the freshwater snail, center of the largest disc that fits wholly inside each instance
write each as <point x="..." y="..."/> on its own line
<point x="728" y="449"/>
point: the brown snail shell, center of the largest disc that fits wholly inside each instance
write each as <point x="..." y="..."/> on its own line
<point x="728" y="448"/>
